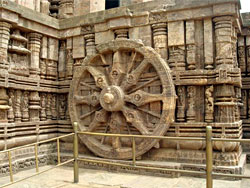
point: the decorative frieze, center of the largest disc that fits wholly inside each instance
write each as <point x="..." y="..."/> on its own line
<point x="5" y="36"/>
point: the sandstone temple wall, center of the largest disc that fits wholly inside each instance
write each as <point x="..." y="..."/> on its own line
<point x="40" y="53"/>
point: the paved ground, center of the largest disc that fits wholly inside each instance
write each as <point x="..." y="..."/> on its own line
<point x="62" y="178"/>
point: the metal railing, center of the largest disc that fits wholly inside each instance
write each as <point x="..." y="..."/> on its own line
<point x="8" y="151"/>
<point x="209" y="155"/>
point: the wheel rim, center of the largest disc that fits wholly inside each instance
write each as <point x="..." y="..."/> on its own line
<point x="126" y="88"/>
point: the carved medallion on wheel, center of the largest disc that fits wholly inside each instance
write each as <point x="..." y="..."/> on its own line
<point x="125" y="88"/>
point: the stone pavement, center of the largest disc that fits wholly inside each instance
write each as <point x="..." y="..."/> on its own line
<point x="62" y="177"/>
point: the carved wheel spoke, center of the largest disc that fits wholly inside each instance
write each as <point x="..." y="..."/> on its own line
<point x="140" y="98"/>
<point x="134" y="117"/>
<point x="133" y="77"/>
<point x="117" y="72"/>
<point x="92" y="100"/>
<point x="100" y="77"/>
<point x="122" y="90"/>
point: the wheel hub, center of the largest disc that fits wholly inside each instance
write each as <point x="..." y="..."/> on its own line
<point x="112" y="98"/>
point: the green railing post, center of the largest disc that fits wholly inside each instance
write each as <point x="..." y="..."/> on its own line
<point x="209" y="157"/>
<point x="76" y="167"/>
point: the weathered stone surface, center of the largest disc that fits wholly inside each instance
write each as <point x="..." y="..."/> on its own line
<point x="103" y="37"/>
<point x="78" y="47"/>
<point x="143" y="33"/>
<point x="176" y="33"/>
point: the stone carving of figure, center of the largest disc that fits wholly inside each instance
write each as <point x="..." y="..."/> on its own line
<point x="43" y="68"/>
<point x="70" y="62"/>
<point x="25" y="106"/>
<point x="181" y="103"/>
<point x="11" y="115"/>
<point x="62" y="106"/>
<point x="18" y="113"/>
<point x="209" y="104"/>
<point x="191" y="102"/>
<point x="43" y="107"/>
<point x="53" y="107"/>
<point x="48" y="104"/>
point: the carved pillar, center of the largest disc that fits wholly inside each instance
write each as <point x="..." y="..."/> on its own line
<point x="121" y="33"/>
<point x="181" y="92"/>
<point x="62" y="106"/>
<point x="225" y="103"/>
<point x="34" y="107"/>
<point x="44" y="8"/>
<point x="53" y="107"/>
<point x="18" y="114"/>
<point x="242" y="55"/>
<point x="25" y="106"/>
<point x="190" y="45"/>
<point x="223" y="38"/>
<point x="69" y="64"/>
<point x="5" y="36"/>
<point x="62" y="60"/>
<point x="34" y="46"/>
<point x="238" y="101"/>
<point x="160" y="39"/>
<point x="11" y="116"/>
<point x="48" y="106"/>
<point x="90" y="44"/>
<point x="191" y="93"/>
<point x="4" y="107"/>
<point x="43" y="107"/>
<point x="208" y="44"/>
<point x="209" y="116"/>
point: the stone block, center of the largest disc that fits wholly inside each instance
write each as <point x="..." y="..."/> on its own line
<point x="97" y="5"/>
<point x="44" y="48"/>
<point x="53" y="49"/>
<point x="176" y="33"/>
<point x="69" y="44"/>
<point x="190" y="32"/>
<point x="143" y="33"/>
<point x="119" y="23"/>
<point x="78" y="47"/>
<point x="103" y="37"/>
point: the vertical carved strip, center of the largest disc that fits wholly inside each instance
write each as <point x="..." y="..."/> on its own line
<point x="208" y="44"/>
<point x="53" y="107"/>
<point x="191" y="93"/>
<point x="190" y="45"/>
<point x="176" y="44"/>
<point x="209" y="116"/>
<point x="34" y="101"/>
<point x="34" y="46"/>
<point x="25" y="106"/>
<point x="62" y="106"/>
<point x="11" y="116"/>
<point x="62" y="61"/>
<point x="160" y="39"/>
<point x="244" y="102"/>
<point x="248" y="53"/>
<point x="69" y="59"/>
<point x="181" y="92"/>
<point x="48" y="106"/>
<point x="18" y="114"/>
<point x="44" y="56"/>
<point x="5" y="36"/>
<point x="4" y="106"/>
<point x="242" y="55"/>
<point x="43" y="107"/>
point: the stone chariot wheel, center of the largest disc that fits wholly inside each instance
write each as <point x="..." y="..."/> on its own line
<point x="125" y="88"/>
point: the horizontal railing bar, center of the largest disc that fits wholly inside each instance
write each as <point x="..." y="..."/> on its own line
<point x="142" y="167"/>
<point x="66" y="162"/>
<point x="144" y="136"/>
<point x="230" y="140"/>
<point x="230" y="175"/>
<point x="33" y="144"/>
